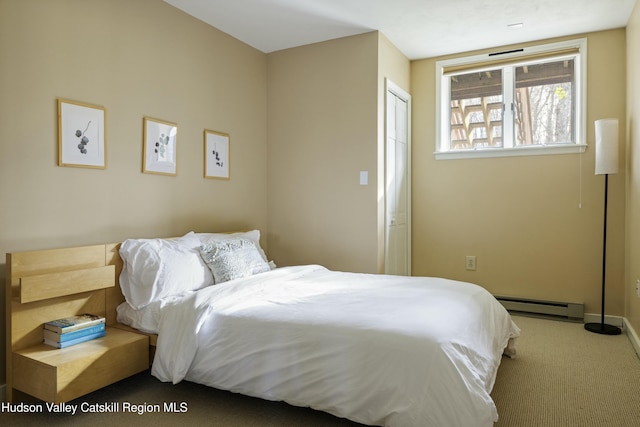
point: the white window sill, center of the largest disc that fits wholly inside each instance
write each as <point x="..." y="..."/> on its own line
<point x="538" y="150"/>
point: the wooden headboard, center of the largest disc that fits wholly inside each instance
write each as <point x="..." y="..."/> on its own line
<point x="58" y="283"/>
<point x="50" y="284"/>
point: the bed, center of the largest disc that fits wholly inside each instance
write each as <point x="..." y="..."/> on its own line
<point x="376" y="349"/>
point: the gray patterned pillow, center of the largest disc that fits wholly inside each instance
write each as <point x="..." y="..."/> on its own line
<point x="232" y="259"/>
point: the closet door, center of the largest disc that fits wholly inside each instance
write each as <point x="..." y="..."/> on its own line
<point x="397" y="182"/>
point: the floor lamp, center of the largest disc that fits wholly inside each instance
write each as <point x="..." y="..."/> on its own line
<point x="606" y="163"/>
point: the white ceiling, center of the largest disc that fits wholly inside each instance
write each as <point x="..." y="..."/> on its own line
<point x="419" y="28"/>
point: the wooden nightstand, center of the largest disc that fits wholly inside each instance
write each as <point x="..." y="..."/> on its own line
<point x="52" y="284"/>
<point x="61" y="375"/>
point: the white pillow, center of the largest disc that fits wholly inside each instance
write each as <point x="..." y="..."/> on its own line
<point x="233" y="258"/>
<point x="157" y="268"/>
<point x="253" y="235"/>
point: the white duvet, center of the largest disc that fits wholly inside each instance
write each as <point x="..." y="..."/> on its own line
<point x="379" y="350"/>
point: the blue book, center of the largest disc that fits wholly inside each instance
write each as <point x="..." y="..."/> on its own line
<point x="67" y="336"/>
<point x="75" y="341"/>
<point x="73" y="323"/>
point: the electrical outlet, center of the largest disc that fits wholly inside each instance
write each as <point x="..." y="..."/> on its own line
<point x="471" y="262"/>
<point x="638" y="287"/>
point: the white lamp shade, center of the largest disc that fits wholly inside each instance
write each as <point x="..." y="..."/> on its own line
<point x="606" y="146"/>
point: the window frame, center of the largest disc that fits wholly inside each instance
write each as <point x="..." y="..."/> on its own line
<point x="498" y="60"/>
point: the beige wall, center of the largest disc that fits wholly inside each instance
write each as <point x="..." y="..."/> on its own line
<point x="135" y="58"/>
<point x="520" y="215"/>
<point x="632" y="312"/>
<point x="322" y="132"/>
<point x="325" y="116"/>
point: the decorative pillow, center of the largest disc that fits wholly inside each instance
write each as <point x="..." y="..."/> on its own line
<point x="233" y="258"/>
<point x="253" y="235"/>
<point x="156" y="268"/>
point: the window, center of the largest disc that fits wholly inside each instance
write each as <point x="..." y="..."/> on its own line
<point x="522" y="102"/>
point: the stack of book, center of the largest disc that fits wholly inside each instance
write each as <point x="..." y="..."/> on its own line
<point x="73" y="330"/>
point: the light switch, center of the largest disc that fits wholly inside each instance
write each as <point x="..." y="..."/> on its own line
<point x="364" y="177"/>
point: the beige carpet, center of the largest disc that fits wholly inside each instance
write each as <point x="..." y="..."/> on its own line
<point x="566" y="376"/>
<point x="563" y="376"/>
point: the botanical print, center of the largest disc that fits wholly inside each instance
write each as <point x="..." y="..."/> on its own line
<point x="84" y="139"/>
<point x="216" y="155"/>
<point x="216" y="151"/>
<point x="160" y="152"/>
<point x="81" y="135"/>
<point x="162" y="148"/>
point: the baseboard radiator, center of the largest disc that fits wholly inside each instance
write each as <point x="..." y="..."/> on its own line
<point x="564" y="310"/>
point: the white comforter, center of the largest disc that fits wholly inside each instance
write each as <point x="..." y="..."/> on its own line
<point x="379" y="350"/>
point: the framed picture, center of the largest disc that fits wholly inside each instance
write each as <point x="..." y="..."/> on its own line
<point x="216" y="154"/>
<point x="82" y="138"/>
<point x="160" y="151"/>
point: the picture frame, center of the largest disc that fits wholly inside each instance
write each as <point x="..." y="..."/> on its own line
<point x="82" y="135"/>
<point x="159" y="148"/>
<point x="216" y="154"/>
